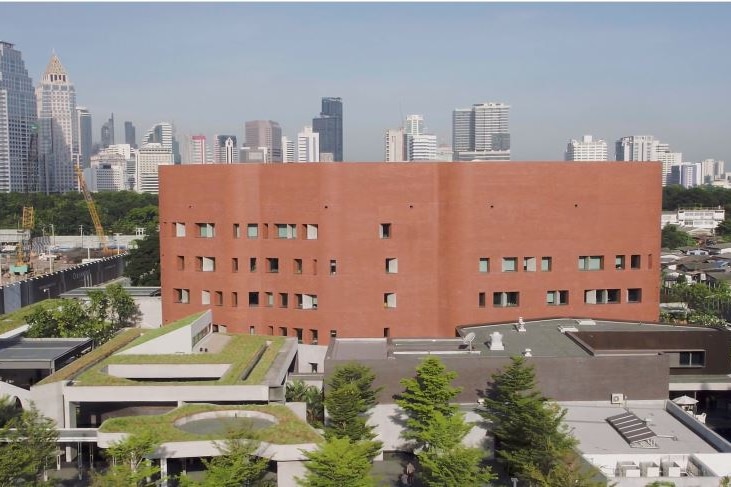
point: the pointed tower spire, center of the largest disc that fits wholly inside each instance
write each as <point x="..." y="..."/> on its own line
<point x="55" y="72"/>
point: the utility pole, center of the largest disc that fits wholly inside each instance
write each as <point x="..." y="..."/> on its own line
<point x="81" y="229"/>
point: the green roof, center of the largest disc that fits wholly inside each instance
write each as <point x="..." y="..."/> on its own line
<point x="15" y="319"/>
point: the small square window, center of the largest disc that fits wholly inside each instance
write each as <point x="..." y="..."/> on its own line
<point x="205" y="297"/>
<point x="252" y="230"/>
<point x="206" y="230"/>
<point x="283" y="300"/>
<point x="546" y="264"/>
<point x="484" y="264"/>
<point x="253" y="299"/>
<point x="635" y="262"/>
<point x="510" y="264"/>
<point x="619" y="262"/>
<point x="634" y="295"/>
<point x="311" y="230"/>
<point x="272" y="264"/>
<point x="179" y="229"/>
<point x="389" y="300"/>
<point x="392" y="266"/>
<point x="182" y="296"/>
<point x="529" y="264"/>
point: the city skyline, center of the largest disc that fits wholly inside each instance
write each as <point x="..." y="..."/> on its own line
<point x="565" y="69"/>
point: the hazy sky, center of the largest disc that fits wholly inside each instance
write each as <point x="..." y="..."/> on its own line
<point x="566" y="69"/>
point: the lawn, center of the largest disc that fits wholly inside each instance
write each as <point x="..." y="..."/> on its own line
<point x="288" y="431"/>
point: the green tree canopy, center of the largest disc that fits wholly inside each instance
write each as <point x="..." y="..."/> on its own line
<point x="426" y="394"/>
<point x="298" y="391"/>
<point x="143" y="262"/>
<point x="672" y="237"/>
<point x="338" y="462"/>
<point x="130" y="464"/>
<point x="359" y="375"/>
<point x="27" y="449"/>
<point x="530" y="435"/>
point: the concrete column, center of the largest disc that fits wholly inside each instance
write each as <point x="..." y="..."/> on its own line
<point x="287" y="471"/>
<point x="163" y="472"/>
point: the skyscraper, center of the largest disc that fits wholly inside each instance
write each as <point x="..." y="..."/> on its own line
<point x="481" y="133"/>
<point x="225" y="150"/>
<point x="308" y="146"/>
<point x="58" y="129"/>
<point x="648" y="148"/>
<point x="130" y="135"/>
<point x="289" y="153"/>
<point x="198" y="150"/>
<point x="265" y="133"/>
<point x="394" y="151"/>
<point x="108" y="133"/>
<point x="422" y="147"/>
<point x="85" y="143"/>
<point x="18" y="123"/>
<point x="330" y="127"/>
<point x="414" y="125"/>
<point x="586" y="149"/>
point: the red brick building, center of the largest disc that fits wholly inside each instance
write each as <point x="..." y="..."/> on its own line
<point x="408" y="250"/>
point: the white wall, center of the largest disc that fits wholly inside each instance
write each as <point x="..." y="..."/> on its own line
<point x="307" y="354"/>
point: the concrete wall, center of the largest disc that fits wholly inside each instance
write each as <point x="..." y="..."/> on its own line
<point x="166" y="393"/>
<point x="48" y="398"/>
<point x="151" y="310"/>
<point x="444" y="217"/>
<point x="177" y="341"/>
<point x="168" y="371"/>
<point x="308" y="355"/>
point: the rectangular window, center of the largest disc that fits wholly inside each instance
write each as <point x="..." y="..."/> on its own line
<point x="206" y="230"/>
<point x="619" y="262"/>
<point x="510" y="264"/>
<point x="234" y="264"/>
<point x="283" y="300"/>
<point x="692" y="359"/>
<point x="218" y="298"/>
<point x="270" y="330"/>
<point x="205" y="297"/>
<point x="306" y="301"/>
<point x="311" y="231"/>
<point x="333" y="267"/>
<point x="283" y="331"/>
<point x="481" y="300"/>
<point x="635" y="261"/>
<point x="272" y="264"/>
<point x="384" y="230"/>
<point x="297" y="266"/>
<point x="234" y="299"/>
<point x="237" y="230"/>
<point x="252" y="264"/>
<point x="392" y="265"/>
<point x="601" y="296"/>
<point x="506" y="299"/>
<point x="182" y="296"/>
<point x="546" y="264"/>
<point x="313" y="336"/>
<point x="389" y="300"/>
<point x="270" y="299"/>
<point x="286" y="230"/>
<point x="634" y="295"/>
<point x="252" y="330"/>
<point x="484" y="264"/>
<point x="253" y="299"/>
<point x="556" y="298"/>
<point x="252" y="230"/>
<point x="179" y="229"/>
<point x="591" y="263"/>
<point x="300" y="335"/>
<point x="529" y="264"/>
<point x="180" y="262"/>
<point x="208" y="264"/>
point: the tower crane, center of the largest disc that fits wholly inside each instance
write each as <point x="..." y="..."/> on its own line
<point x="92" y="210"/>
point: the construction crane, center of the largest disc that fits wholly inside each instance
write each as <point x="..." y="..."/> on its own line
<point x="22" y="262"/>
<point x="92" y="211"/>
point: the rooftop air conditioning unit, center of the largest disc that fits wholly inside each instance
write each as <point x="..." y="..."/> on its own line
<point x="617" y="398"/>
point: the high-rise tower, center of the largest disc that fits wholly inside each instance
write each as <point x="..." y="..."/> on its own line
<point x="586" y="149"/>
<point x="481" y="133"/>
<point x="225" y="150"/>
<point x="83" y="118"/>
<point x="108" y="133"/>
<point x="58" y="129"/>
<point x="130" y="135"/>
<point x="330" y="127"/>
<point x="18" y="123"/>
<point x="264" y="133"/>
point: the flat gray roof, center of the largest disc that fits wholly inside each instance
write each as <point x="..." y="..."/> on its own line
<point x="588" y="423"/>
<point x="38" y="350"/>
<point x="359" y="349"/>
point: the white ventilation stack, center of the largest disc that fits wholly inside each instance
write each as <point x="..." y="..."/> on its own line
<point x="528" y="352"/>
<point x="496" y="341"/>
<point x="521" y="325"/>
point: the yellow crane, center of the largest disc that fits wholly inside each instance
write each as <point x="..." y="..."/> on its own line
<point x="22" y="262"/>
<point x="92" y="210"/>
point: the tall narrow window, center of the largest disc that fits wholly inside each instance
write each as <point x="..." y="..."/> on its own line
<point x="529" y="264"/>
<point x="333" y="267"/>
<point x="180" y="262"/>
<point x="237" y="230"/>
<point x="313" y="336"/>
<point x="312" y="231"/>
<point x="484" y="264"/>
<point x="283" y="300"/>
<point x="546" y="264"/>
<point x="218" y="298"/>
<point x="481" y="300"/>
<point x="392" y="265"/>
<point x="619" y="262"/>
<point x="234" y="299"/>
<point x="252" y="230"/>
<point x="384" y="230"/>
<point x="205" y="297"/>
<point x="252" y="264"/>
<point x="179" y="229"/>
<point x="635" y="261"/>
<point x="234" y="264"/>
<point x="389" y="300"/>
<point x="297" y="266"/>
<point x="270" y="299"/>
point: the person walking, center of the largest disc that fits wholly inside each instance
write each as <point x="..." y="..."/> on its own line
<point x="410" y="470"/>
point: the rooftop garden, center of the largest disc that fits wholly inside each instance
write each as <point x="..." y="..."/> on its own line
<point x="15" y="319"/>
<point x="243" y="352"/>
<point x="289" y="430"/>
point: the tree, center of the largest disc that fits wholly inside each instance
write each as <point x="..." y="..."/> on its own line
<point x="427" y="393"/>
<point x="8" y="410"/>
<point x="236" y="466"/>
<point x="130" y="463"/>
<point x="672" y="237"/>
<point x="445" y="461"/>
<point x="143" y="263"/>
<point x="360" y="375"/>
<point x="530" y="435"/>
<point x="298" y="391"/>
<point x="337" y="463"/>
<point x="27" y="449"/>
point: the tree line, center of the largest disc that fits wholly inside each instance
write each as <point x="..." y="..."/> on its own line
<point x="119" y="211"/>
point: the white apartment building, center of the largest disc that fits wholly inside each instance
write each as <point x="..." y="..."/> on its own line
<point x="414" y="125"/>
<point x="308" y="145"/>
<point x="394" y="145"/>
<point x="289" y="154"/>
<point x="586" y="149"/>
<point x="149" y="158"/>
<point x="58" y="129"/>
<point x="695" y="218"/>
<point x="421" y="147"/>
<point x="444" y="153"/>
<point x="481" y="133"/>
<point x="107" y="173"/>
<point x="198" y="150"/>
<point x="225" y="149"/>
<point x="647" y="148"/>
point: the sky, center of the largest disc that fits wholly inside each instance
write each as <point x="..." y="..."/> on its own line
<point x="566" y="69"/>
